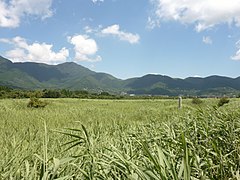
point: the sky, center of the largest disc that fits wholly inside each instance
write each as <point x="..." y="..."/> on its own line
<point x="125" y="38"/>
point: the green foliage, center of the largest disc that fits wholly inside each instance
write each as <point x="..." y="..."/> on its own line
<point x="75" y="77"/>
<point x="36" y="93"/>
<point x="117" y="139"/>
<point x="104" y="94"/>
<point x="5" y="88"/>
<point x="48" y="93"/>
<point x="196" y="100"/>
<point x="53" y="93"/>
<point x="223" y="101"/>
<point x="36" y="103"/>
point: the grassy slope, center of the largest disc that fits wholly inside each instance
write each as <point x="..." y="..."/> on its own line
<point x="123" y="140"/>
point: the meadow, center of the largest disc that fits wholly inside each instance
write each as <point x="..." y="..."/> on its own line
<point x="119" y="139"/>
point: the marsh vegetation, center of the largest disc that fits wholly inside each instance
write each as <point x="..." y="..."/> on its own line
<point x="119" y="139"/>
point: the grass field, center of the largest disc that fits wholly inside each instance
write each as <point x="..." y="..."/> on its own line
<point x="119" y="139"/>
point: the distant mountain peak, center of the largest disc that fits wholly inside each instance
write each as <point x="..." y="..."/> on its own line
<point x="70" y="75"/>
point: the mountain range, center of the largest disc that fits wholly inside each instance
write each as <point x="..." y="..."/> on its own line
<point x="69" y="75"/>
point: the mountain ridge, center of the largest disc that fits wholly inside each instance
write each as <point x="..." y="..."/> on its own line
<point x="69" y="75"/>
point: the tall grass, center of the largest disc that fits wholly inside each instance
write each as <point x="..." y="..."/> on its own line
<point x="103" y="139"/>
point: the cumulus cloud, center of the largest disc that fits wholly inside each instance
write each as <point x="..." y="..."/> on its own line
<point x="124" y="36"/>
<point x="12" y="11"/>
<point x="85" y="48"/>
<point x="237" y="55"/>
<point x="207" y="40"/>
<point x="35" y="52"/>
<point x="204" y="14"/>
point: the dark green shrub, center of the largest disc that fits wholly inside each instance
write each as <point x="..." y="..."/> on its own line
<point x="51" y="93"/>
<point x="223" y="101"/>
<point x="197" y="101"/>
<point x="36" y="103"/>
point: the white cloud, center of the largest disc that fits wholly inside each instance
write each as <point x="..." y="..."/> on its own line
<point x="237" y="55"/>
<point x="85" y="48"/>
<point x="35" y="52"/>
<point x="88" y="29"/>
<point x="95" y="1"/>
<point x="12" y="11"/>
<point x="153" y="22"/>
<point x="5" y="40"/>
<point x="204" y="14"/>
<point x="207" y="40"/>
<point x="124" y="36"/>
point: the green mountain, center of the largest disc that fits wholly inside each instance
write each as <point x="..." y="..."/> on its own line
<point x="68" y="75"/>
<point x="164" y="85"/>
<point x="72" y="76"/>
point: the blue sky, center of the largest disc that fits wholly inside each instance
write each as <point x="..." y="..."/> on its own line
<point x="126" y="38"/>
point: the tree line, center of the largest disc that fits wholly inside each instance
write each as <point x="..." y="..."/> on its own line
<point x="7" y="92"/>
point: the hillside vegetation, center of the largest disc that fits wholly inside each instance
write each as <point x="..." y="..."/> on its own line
<point x="71" y="76"/>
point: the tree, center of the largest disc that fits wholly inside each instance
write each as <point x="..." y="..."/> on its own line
<point x="51" y="94"/>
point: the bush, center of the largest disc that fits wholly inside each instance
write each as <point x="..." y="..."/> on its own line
<point x="51" y="93"/>
<point x="223" y="101"/>
<point x="36" y="103"/>
<point x="196" y="101"/>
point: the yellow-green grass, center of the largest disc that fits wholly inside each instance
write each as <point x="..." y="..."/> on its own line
<point x="119" y="139"/>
